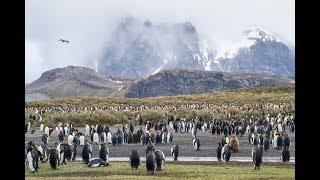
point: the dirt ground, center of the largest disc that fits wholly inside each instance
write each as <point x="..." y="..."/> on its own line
<point x="208" y="146"/>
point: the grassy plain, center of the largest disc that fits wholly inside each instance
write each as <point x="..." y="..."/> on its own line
<point x="180" y="170"/>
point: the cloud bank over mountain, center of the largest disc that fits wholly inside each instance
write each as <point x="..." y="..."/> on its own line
<point x="88" y="25"/>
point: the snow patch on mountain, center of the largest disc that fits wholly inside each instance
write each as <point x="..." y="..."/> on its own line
<point x="156" y="71"/>
<point x="205" y="55"/>
<point x="250" y="38"/>
<point x="231" y="51"/>
<point x="261" y="34"/>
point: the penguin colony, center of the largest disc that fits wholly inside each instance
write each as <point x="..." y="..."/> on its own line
<point x="262" y="133"/>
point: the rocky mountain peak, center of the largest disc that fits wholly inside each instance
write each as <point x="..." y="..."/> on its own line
<point x="257" y="52"/>
<point x="140" y="48"/>
<point x="258" y="34"/>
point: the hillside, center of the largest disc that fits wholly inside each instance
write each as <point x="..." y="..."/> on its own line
<point x="180" y="81"/>
<point x="79" y="81"/>
<point x="76" y="81"/>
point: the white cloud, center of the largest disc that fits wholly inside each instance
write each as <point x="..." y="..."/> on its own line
<point x="34" y="62"/>
<point x="87" y="24"/>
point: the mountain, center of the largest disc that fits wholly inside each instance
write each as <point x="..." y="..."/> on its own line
<point x="180" y="81"/>
<point x="74" y="81"/>
<point x="258" y="52"/>
<point x="139" y="49"/>
<point x="80" y="81"/>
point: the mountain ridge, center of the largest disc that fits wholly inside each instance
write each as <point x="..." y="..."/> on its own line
<point x="79" y="81"/>
<point x="139" y="49"/>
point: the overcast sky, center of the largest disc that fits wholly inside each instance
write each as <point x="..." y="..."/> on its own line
<point x="87" y="25"/>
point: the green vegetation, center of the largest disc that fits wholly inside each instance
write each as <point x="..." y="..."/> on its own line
<point x="240" y="96"/>
<point x="156" y="113"/>
<point x="123" y="170"/>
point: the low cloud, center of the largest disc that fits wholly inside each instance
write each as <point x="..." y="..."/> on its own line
<point x="88" y="25"/>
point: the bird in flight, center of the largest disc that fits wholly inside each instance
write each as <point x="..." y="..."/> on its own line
<point x="64" y="41"/>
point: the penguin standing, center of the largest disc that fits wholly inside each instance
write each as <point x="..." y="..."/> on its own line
<point x="104" y="152"/>
<point x="171" y="125"/>
<point x="86" y="152"/>
<point x="131" y="128"/>
<point x="66" y="130"/>
<point x="114" y="139"/>
<point x="87" y="130"/>
<point x="285" y="154"/>
<point x="104" y="135"/>
<point x="81" y="139"/>
<point x="285" y="140"/>
<point x="59" y="149"/>
<point x="213" y="129"/>
<point x="54" y="158"/>
<point x="175" y="152"/>
<point x="67" y="153"/>
<point x="255" y="139"/>
<point x="151" y="163"/>
<point x="266" y="143"/>
<point x="194" y="132"/>
<point x="95" y="137"/>
<point x="109" y="137"/>
<point x="73" y="151"/>
<point x="147" y="126"/>
<point x="279" y="142"/>
<point x="169" y="137"/>
<point x="219" y="149"/>
<point x="160" y="159"/>
<point x="143" y="139"/>
<point x="203" y="128"/>
<point x="130" y="138"/>
<point x="70" y="139"/>
<point x="183" y="127"/>
<point x="291" y="127"/>
<point x="134" y="159"/>
<point x="274" y="141"/>
<point x="158" y="138"/>
<point x="92" y="129"/>
<point x="46" y="131"/>
<point x="225" y="153"/>
<point x="224" y="140"/>
<point x="44" y="138"/>
<point x="120" y="138"/>
<point x="35" y="157"/>
<point x="28" y="126"/>
<point x="149" y="147"/>
<point x="280" y="129"/>
<point x="257" y="156"/>
<point x="74" y="146"/>
<point x="196" y="144"/>
<point x="43" y="149"/>
<point x="125" y="137"/>
<point x="41" y="127"/>
<point x="164" y="138"/>
<point x="31" y="160"/>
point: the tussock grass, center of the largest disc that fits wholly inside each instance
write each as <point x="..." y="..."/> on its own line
<point x="230" y="97"/>
<point x="240" y="96"/>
